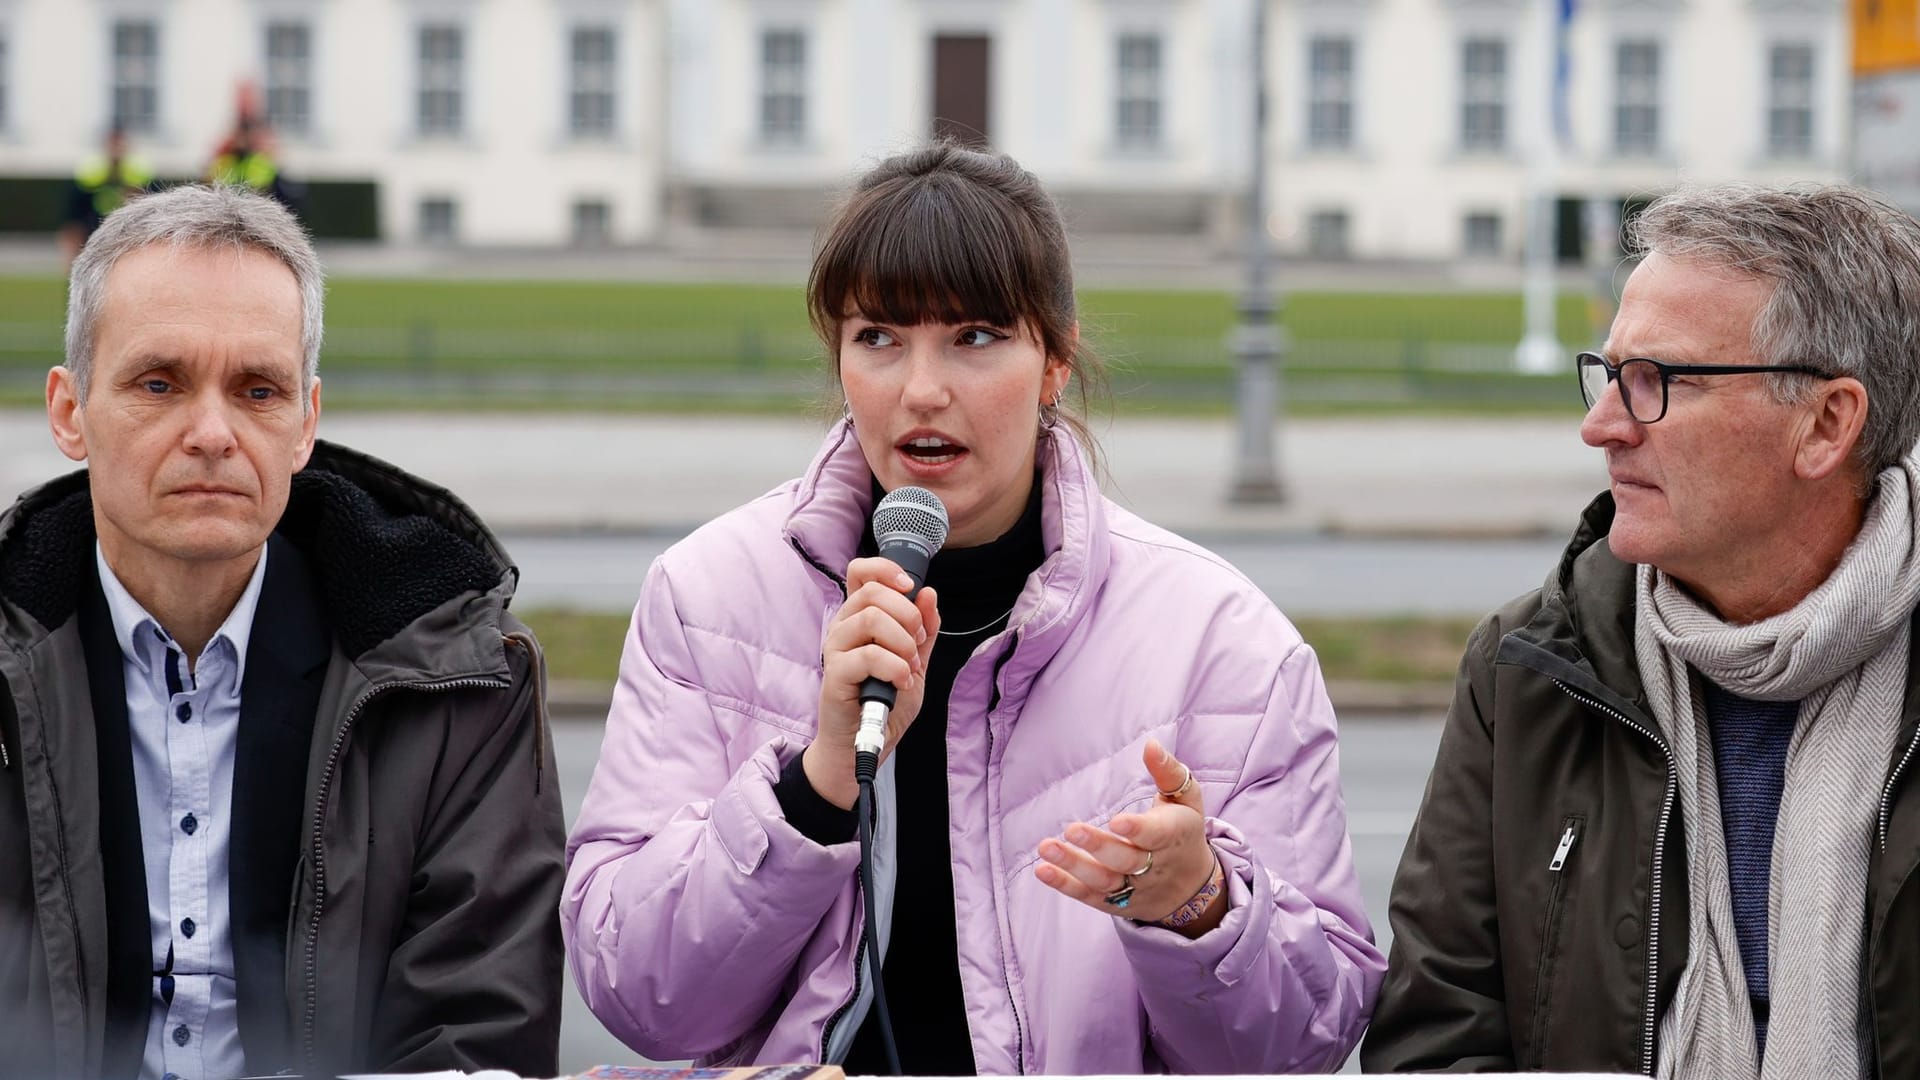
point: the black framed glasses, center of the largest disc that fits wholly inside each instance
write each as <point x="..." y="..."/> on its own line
<point x="1643" y="382"/>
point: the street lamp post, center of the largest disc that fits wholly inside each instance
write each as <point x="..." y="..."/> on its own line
<point x="1258" y="342"/>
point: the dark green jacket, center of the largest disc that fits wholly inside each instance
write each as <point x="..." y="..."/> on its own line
<point x="1512" y="950"/>
<point x="397" y="847"/>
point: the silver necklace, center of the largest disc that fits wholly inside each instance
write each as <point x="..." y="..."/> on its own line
<point x="997" y="619"/>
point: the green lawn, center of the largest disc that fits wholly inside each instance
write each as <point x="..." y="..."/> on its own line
<point x="415" y="343"/>
<point x="1391" y="649"/>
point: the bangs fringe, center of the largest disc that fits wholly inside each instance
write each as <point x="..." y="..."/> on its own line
<point x="929" y="249"/>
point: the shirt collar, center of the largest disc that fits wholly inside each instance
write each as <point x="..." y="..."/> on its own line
<point x="134" y="628"/>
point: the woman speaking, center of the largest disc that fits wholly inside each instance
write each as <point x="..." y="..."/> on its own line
<point x="1109" y="835"/>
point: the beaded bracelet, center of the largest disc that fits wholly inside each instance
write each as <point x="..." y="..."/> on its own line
<point x="1198" y="904"/>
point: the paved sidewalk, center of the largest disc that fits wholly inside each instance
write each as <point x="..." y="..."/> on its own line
<point x="567" y="472"/>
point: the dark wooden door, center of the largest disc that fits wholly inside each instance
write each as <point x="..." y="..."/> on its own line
<point x="961" y="66"/>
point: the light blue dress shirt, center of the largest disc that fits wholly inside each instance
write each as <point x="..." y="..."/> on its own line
<point x="185" y="724"/>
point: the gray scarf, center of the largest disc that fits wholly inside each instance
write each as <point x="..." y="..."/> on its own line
<point x="1842" y="653"/>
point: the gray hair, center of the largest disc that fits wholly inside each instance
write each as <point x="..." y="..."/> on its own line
<point x="192" y="216"/>
<point x="1845" y="267"/>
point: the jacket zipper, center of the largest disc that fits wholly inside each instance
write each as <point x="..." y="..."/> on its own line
<point x="1886" y="795"/>
<point x="1550" y="937"/>
<point x="993" y="702"/>
<point x="860" y="945"/>
<point x="1659" y="859"/>
<point x="859" y="959"/>
<point x="1559" y="860"/>
<point x="319" y="831"/>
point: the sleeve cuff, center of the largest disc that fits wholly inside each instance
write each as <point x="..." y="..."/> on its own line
<point x="811" y="816"/>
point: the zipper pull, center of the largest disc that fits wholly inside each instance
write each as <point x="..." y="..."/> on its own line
<point x="1560" y="853"/>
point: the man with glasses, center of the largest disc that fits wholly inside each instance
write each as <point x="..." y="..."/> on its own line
<point x="1674" y="822"/>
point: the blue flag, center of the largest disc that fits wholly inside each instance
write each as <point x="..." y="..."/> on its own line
<point x="1562" y="71"/>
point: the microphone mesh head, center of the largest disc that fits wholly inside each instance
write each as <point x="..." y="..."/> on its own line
<point x="911" y="514"/>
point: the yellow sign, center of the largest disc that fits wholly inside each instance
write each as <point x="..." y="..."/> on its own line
<point x="1886" y="36"/>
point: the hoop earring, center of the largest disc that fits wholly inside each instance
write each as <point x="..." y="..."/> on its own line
<point x="1050" y="415"/>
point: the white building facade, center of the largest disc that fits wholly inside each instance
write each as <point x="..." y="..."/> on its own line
<point x="1413" y="129"/>
<point x="1135" y="112"/>
<point x="492" y="122"/>
<point x="1398" y="129"/>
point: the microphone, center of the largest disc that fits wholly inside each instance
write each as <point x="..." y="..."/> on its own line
<point x="910" y="524"/>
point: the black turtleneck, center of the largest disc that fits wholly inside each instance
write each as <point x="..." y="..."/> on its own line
<point x="977" y="588"/>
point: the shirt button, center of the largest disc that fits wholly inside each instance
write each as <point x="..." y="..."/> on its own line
<point x="188" y="824"/>
<point x="184" y="711"/>
<point x="187" y="927"/>
<point x="181" y="1036"/>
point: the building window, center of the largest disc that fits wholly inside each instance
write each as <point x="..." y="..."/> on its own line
<point x="442" y="61"/>
<point x="290" y="77"/>
<point x="1790" y="101"/>
<point x="439" y="221"/>
<point x="136" y="75"/>
<point x="783" y="86"/>
<point x="1636" y="105"/>
<point x="592" y="75"/>
<point x="1138" y="100"/>
<point x="592" y="223"/>
<point x="1327" y="234"/>
<point x="1480" y="235"/>
<point x="1483" y="94"/>
<point x="1330" y="93"/>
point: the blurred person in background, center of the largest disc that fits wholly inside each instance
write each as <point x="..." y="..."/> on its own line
<point x="1674" y="823"/>
<point x="249" y="157"/>
<point x="276" y="788"/>
<point x="1111" y="834"/>
<point x="102" y="184"/>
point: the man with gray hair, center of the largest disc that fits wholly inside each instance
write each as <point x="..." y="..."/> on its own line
<point x="1674" y="822"/>
<point x="276" y="787"/>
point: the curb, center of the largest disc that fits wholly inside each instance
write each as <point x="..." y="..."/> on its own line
<point x="587" y="700"/>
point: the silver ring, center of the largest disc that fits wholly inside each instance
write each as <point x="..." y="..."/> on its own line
<point x="1185" y="783"/>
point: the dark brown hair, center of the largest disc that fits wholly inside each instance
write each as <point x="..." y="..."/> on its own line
<point x="949" y="234"/>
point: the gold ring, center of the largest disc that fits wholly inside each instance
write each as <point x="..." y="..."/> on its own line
<point x="1184" y="785"/>
<point x="1144" y="868"/>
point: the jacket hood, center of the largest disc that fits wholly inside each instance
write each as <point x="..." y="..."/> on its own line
<point x="388" y="551"/>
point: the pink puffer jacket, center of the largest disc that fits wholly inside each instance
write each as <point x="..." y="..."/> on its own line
<point x="701" y="924"/>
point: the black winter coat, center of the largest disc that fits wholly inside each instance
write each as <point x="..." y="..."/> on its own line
<point x="1540" y="911"/>
<point x="397" y="850"/>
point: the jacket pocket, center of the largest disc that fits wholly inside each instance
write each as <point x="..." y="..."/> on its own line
<point x="1558" y="869"/>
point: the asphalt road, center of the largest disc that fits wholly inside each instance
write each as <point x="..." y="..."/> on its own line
<point x="1384" y="762"/>
<point x="1305" y="575"/>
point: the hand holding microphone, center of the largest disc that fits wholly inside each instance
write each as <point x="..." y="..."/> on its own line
<point x="877" y="645"/>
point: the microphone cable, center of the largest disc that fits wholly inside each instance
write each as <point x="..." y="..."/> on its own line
<point x="865" y="764"/>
